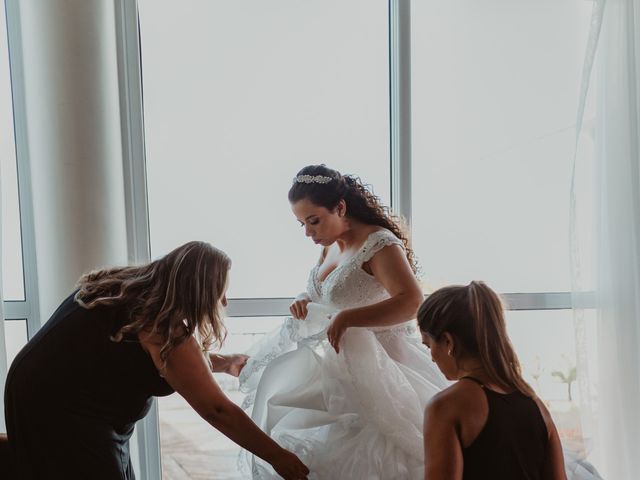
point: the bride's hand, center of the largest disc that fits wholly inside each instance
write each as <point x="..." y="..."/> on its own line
<point x="339" y="325"/>
<point x="298" y="308"/>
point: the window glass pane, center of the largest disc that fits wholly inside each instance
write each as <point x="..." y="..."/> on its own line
<point x="15" y="337"/>
<point x="494" y="102"/>
<point x="545" y="342"/>
<point x="237" y="99"/>
<point x="191" y="448"/>
<point x="12" y="273"/>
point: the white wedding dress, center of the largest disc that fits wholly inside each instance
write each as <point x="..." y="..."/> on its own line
<point x="357" y="415"/>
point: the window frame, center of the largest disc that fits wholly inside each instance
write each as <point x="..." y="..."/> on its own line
<point x="131" y="92"/>
<point x="29" y="308"/>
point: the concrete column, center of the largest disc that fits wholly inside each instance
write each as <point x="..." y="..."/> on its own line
<point x="74" y="141"/>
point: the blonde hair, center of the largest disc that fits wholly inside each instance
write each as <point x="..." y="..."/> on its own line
<point x="173" y="297"/>
<point x="474" y="315"/>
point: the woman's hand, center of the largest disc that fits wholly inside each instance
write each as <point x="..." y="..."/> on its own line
<point x="298" y="308"/>
<point x="235" y="363"/>
<point x="289" y="466"/>
<point x="337" y="328"/>
<point x="231" y="364"/>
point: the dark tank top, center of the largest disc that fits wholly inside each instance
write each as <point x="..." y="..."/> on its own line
<point x="512" y="445"/>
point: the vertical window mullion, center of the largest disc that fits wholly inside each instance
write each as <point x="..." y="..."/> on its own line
<point x="400" y="106"/>
<point x="23" y="169"/>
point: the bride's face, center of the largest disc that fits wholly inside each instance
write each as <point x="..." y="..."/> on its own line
<point x="323" y="226"/>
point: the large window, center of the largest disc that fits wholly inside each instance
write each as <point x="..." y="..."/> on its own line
<point x="265" y="89"/>
<point x="243" y="94"/>
<point x="495" y="95"/>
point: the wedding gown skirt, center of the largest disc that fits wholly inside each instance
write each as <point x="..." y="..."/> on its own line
<point x="356" y="415"/>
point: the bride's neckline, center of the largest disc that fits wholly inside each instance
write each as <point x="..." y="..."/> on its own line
<point x="319" y="282"/>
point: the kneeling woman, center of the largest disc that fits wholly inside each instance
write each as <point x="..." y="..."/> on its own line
<point x="490" y="424"/>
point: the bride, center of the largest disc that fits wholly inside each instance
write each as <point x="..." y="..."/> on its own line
<point x="348" y="401"/>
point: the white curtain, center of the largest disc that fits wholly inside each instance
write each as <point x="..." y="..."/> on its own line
<point x="3" y="348"/>
<point x="3" y="151"/>
<point x="606" y="233"/>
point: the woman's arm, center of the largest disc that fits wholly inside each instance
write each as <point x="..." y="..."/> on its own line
<point x="555" y="458"/>
<point x="442" y="451"/>
<point x="391" y="268"/>
<point x="187" y="371"/>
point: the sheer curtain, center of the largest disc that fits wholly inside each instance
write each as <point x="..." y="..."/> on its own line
<point x="606" y="232"/>
<point x="3" y="348"/>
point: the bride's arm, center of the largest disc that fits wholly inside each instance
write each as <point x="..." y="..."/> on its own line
<point x="391" y="268"/>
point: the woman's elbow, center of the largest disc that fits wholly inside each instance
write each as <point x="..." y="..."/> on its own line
<point x="220" y="413"/>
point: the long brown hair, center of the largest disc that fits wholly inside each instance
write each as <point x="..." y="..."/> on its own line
<point x="362" y="204"/>
<point x="474" y="315"/>
<point x="172" y="297"/>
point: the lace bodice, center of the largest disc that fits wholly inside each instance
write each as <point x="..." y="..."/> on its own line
<point x="349" y="285"/>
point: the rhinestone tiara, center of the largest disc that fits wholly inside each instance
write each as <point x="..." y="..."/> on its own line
<point x="312" y="179"/>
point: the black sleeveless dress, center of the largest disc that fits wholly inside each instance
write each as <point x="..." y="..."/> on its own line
<point x="72" y="397"/>
<point x="513" y="443"/>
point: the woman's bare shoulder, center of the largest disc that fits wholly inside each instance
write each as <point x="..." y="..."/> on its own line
<point x="460" y="398"/>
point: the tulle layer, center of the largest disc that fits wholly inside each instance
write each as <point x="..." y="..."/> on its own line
<point x="356" y="415"/>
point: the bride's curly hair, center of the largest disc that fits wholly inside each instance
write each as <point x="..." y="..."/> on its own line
<point x="362" y="204"/>
<point x="172" y="297"/>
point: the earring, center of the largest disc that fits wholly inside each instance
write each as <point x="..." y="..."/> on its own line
<point x="449" y="352"/>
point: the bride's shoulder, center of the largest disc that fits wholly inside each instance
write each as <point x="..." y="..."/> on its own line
<point x="382" y="243"/>
<point x="379" y="238"/>
<point x="374" y="232"/>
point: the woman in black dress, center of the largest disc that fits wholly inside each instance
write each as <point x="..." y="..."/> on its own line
<point x="490" y="424"/>
<point x="75" y="391"/>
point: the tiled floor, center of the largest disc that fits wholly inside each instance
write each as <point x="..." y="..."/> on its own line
<point x="191" y="448"/>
